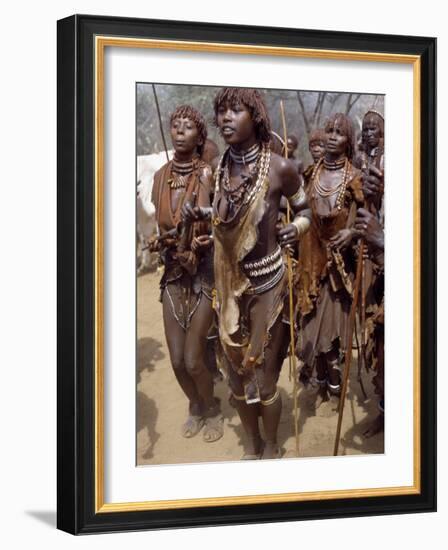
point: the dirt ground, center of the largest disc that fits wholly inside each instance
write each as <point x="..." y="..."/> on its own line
<point x="162" y="407"/>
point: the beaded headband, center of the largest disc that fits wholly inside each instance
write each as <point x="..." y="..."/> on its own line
<point x="374" y="112"/>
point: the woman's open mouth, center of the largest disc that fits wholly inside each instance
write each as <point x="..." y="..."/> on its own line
<point x="227" y="131"/>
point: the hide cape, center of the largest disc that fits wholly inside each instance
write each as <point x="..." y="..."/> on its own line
<point x="245" y="318"/>
<point x="184" y="282"/>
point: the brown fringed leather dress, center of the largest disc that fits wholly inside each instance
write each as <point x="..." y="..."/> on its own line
<point x="250" y="296"/>
<point x="325" y="275"/>
<point x="186" y="276"/>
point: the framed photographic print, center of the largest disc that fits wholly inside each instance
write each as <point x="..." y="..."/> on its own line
<point x="246" y="274"/>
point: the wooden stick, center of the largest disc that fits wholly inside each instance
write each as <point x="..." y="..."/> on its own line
<point x="160" y="122"/>
<point x="363" y="306"/>
<point x="285" y="153"/>
<point x="292" y="347"/>
<point x="360" y="363"/>
<point x="348" y="351"/>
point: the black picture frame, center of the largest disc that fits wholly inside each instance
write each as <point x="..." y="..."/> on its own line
<point x="76" y="475"/>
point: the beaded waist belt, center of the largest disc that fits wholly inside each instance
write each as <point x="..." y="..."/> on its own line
<point x="264" y="266"/>
<point x="265" y="272"/>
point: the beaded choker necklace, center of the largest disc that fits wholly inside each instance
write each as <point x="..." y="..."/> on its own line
<point x="336" y="165"/>
<point x="180" y="171"/>
<point x="246" y="157"/>
<point x="182" y="167"/>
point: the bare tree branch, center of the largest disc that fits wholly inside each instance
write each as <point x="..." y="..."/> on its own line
<point x="302" y="107"/>
<point x="350" y="103"/>
<point x="319" y="115"/>
<point x="334" y="102"/>
<point x="316" y="108"/>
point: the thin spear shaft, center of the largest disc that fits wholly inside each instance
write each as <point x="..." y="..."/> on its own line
<point x="360" y="363"/>
<point x="363" y="311"/>
<point x="160" y="122"/>
<point x="349" y="342"/>
<point x="292" y="347"/>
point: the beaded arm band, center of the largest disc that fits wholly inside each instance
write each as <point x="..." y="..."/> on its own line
<point x="298" y="199"/>
<point x="302" y="224"/>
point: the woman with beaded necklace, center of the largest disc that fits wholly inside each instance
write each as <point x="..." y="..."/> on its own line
<point x="316" y="147"/>
<point x="326" y="260"/>
<point x="250" y="277"/>
<point x="370" y="161"/>
<point x="186" y="285"/>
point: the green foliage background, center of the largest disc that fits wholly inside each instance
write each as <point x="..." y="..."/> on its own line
<point x="304" y="110"/>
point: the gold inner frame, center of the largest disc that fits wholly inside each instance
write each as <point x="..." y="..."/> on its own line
<point x="101" y="42"/>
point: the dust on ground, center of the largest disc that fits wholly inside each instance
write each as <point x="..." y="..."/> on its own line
<point x="162" y="407"/>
